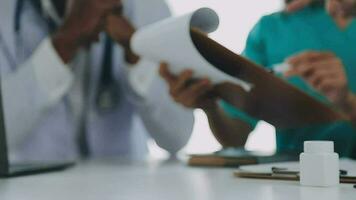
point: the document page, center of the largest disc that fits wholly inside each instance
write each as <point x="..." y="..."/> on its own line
<point x="170" y="41"/>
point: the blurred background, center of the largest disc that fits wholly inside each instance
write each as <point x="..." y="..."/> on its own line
<point x="237" y="18"/>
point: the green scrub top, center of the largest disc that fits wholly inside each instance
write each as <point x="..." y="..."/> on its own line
<point x="279" y="36"/>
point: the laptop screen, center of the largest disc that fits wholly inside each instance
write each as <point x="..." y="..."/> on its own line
<point x="4" y="162"/>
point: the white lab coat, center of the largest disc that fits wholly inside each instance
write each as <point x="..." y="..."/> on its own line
<point x="41" y="95"/>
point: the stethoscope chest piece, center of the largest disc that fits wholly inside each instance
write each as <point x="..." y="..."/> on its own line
<point x="108" y="97"/>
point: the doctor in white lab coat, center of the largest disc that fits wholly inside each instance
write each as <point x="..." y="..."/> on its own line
<point x="91" y="100"/>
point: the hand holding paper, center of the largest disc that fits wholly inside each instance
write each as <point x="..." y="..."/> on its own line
<point x="188" y="92"/>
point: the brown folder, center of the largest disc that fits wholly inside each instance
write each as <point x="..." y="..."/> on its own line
<point x="271" y="99"/>
<point x="213" y="160"/>
<point x="238" y="158"/>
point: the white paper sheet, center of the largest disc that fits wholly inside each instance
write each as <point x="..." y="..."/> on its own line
<point x="170" y="41"/>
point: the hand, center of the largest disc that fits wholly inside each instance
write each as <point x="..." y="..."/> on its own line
<point x="345" y="8"/>
<point x="324" y="72"/>
<point x="84" y="22"/>
<point x="121" y="30"/>
<point x="341" y="8"/>
<point x="295" y="5"/>
<point x="188" y="92"/>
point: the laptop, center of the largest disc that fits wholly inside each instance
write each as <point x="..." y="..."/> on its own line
<point x="8" y="169"/>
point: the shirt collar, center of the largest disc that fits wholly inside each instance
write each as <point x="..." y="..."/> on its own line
<point x="49" y="11"/>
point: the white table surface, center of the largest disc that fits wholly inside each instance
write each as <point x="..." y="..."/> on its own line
<point x="121" y="180"/>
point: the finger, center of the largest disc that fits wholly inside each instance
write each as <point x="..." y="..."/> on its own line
<point x="304" y="69"/>
<point x="200" y="88"/>
<point x="309" y="56"/>
<point x="195" y="93"/>
<point x="107" y="5"/>
<point x="301" y="58"/>
<point x="166" y="75"/>
<point x="118" y="10"/>
<point x="110" y="2"/>
<point x="291" y="72"/>
<point x="316" y="78"/>
<point x="327" y="84"/>
<point x="332" y="83"/>
<point x="182" y="81"/>
<point x="296" y="5"/>
<point x="307" y="69"/>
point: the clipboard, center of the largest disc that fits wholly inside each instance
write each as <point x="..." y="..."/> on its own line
<point x="271" y="98"/>
<point x="284" y="175"/>
<point x="235" y="157"/>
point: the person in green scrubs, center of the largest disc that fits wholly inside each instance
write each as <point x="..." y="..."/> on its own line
<point x="345" y="7"/>
<point x="319" y="44"/>
<point x="279" y="37"/>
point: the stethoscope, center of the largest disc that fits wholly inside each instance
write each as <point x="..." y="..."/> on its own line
<point x="19" y="47"/>
<point x="4" y="47"/>
<point x="108" y="92"/>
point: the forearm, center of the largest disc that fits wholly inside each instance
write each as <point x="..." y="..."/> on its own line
<point x="120" y="29"/>
<point x="169" y="124"/>
<point x="65" y="45"/>
<point x="229" y="132"/>
<point x="31" y="90"/>
<point x="21" y="108"/>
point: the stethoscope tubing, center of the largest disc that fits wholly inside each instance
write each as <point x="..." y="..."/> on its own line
<point x="17" y="26"/>
<point x="6" y="51"/>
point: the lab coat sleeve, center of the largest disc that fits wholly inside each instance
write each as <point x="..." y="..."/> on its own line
<point x="169" y="124"/>
<point x="32" y="89"/>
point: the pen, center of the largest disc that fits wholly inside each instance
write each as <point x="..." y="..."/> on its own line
<point x="280" y="170"/>
<point x="281" y="68"/>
